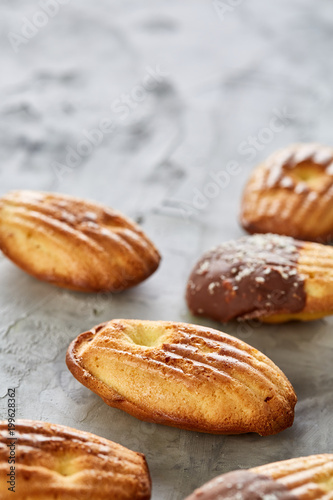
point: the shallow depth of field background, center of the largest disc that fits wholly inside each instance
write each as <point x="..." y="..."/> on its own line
<point x="159" y="109"/>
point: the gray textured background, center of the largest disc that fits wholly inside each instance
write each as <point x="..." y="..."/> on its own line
<point x="225" y="77"/>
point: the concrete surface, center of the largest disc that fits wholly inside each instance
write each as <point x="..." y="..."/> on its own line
<point x="179" y="90"/>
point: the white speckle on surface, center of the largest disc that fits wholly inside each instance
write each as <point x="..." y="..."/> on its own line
<point x="270" y="496"/>
<point x="246" y="271"/>
<point x="329" y="169"/>
<point x="212" y="286"/>
<point x="203" y="267"/>
<point x="286" y="182"/>
<point x="301" y="187"/>
<point x="91" y="216"/>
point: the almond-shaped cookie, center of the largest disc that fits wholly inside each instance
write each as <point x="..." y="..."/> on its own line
<point x="183" y="375"/>
<point x="291" y="193"/>
<point x="270" y="277"/>
<point x="302" y="478"/>
<point x="45" y="461"/>
<point x="74" y="243"/>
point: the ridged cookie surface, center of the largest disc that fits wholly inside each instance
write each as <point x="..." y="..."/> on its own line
<point x="270" y="277"/>
<point x="291" y="193"/>
<point x="305" y="478"/>
<point x="183" y="375"/>
<point x="74" y="243"/>
<point x="58" y="462"/>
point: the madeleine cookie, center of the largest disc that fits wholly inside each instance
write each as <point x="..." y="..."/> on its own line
<point x="291" y="193"/>
<point x="74" y="243"/>
<point x="266" y="276"/>
<point x="183" y="375"/>
<point x="297" y="479"/>
<point x="58" y="462"/>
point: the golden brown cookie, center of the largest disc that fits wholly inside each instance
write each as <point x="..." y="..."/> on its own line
<point x="74" y="243"/>
<point x="58" y="462"/>
<point x="291" y="193"/>
<point x="266" y="276"/>
<point x="183" y="375"/>
<point x="306" y="478"/>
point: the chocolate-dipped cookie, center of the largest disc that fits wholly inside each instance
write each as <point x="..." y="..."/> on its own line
<point x="297" y="479"/>
<point x="266" y="276"/>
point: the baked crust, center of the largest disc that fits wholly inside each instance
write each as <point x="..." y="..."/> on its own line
<point x="315" y="265"/>
<point x="291" y="193"/>
<point x="57" y="462"/>
<point x="308" y="478"/>
<point x="74" y="243"/>
<point x="304" y="478"/>
<point x="183" y="375"/>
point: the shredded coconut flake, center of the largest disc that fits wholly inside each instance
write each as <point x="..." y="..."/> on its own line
<point x="204" y="267"/>
<point x="212" y="286"/>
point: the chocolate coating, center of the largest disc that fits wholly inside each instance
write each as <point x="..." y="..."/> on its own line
<point x="252" y="277"/>
<point x="242" y="485"/>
